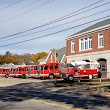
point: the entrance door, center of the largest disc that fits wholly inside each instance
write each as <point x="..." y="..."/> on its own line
<point x="103" y="67"/>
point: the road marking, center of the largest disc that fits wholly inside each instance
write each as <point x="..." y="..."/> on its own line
<point x="57" y="104"/>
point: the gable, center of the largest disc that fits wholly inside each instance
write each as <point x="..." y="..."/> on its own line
<point x="51" y="58"/>
<point x="97" y="26"/>
<point x="59" y="53"/>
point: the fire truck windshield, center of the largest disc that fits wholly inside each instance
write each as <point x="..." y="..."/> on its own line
<point x="40" y="67"/>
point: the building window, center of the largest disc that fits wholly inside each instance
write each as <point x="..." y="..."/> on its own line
<point x="100" y="40"/>
<point x="72" y="46"/>
<point x="86" y="43"/>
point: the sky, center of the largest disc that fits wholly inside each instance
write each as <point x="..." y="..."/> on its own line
<point x="31" y="26"/>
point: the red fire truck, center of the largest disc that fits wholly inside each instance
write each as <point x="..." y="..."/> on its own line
<point x="81" y="69"/>
<point x="4" y="72"/>
<point x="20" y="71"/>
<point x="23" y="71"/>
<point x="32" y="71"/>
<point x="50" y="70"/>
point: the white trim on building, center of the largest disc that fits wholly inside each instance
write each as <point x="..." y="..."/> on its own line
<point x="100" y="40"/>
<point x="90" y="31"/>
<point x="72" y="46"/>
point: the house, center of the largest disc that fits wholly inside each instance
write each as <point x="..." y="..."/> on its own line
<point x="91" y="44"/>
<point x="54" y="56"/>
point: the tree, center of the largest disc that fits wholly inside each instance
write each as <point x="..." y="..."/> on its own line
<point x="20" y="59"/>
<point x="38" y="56"/>
<point x="8" y="53"/>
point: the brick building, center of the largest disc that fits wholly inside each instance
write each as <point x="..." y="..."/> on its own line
<point x="91" y="44"/>
<point x="54" y="56"/>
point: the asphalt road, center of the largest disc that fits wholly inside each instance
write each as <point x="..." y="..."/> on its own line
<point x="35" y="94"/>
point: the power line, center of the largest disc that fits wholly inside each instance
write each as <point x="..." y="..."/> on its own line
<point x="23" y="12"/>
<point x="10" y="5"/>
<point x="55" y="32"/>
<point x="79" y="10"/>
<point x="66" y="17"/>
<point x="54" y="21"/>
<point x="58" y="25"/>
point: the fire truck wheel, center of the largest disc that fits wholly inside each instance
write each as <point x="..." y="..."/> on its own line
<point x="51" y="76"/>
<point x="14" y="76"/>
<point x="23" y="76"/>
<point x="7" y="75"/>
<point x="71" y="77"/>
<point x="90" y="76"/>
<point x="65" y="79"/>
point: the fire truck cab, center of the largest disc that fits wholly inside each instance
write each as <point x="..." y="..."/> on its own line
<point x="50" y="70"/>
<point x="4" y="72"/>
<point x="81" y="69"/>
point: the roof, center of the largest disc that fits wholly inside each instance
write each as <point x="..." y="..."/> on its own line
<point x="43" y="59"/>
<point x="95" y="26"/>
<point x="60" y="53"/>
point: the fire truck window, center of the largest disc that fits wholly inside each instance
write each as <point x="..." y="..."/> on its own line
<point x="30" y="68"/>
<point x="0" y="70"/>
<point x="35" y="68"/>
<point x="69" y="65"/>
<point x="56" y="66"/>
<point x="19" y="69"/>
<point x="87" y="66"/>
<point x="40" y="67"/>
<point x="51" y="67"/>
<point x="64" y="65"/>
<point x="3" y="70"/>
<point x="46" y="68"/>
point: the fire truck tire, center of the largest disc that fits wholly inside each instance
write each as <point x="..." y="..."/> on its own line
<point x="65" y="79"/>
<point x="71" y="77"/>
<point x="51" y="76"/>
<point x="41" y="78"/>
<point x="23" y="76"/>
<point x="7" y="75"/>
<point x="14" y="76"/>
<point x="90" y="76"/>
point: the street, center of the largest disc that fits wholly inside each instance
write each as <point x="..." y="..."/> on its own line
<point x="36" y="94"/>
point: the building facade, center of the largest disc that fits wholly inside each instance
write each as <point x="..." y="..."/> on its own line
<point x="54" y="56"/>
<point x="91" y="44"/>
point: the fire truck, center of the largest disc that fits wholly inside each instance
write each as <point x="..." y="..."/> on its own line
<point x="81" y="69"/>
<point x="4" y="72"/>
<point x="32" y="71"/>
<point x="20" y="71"/>
<point x="12" y="72"/>
<point x="50" y="70"/>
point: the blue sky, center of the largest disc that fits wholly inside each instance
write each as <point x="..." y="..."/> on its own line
<point x="20" y="15"/>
